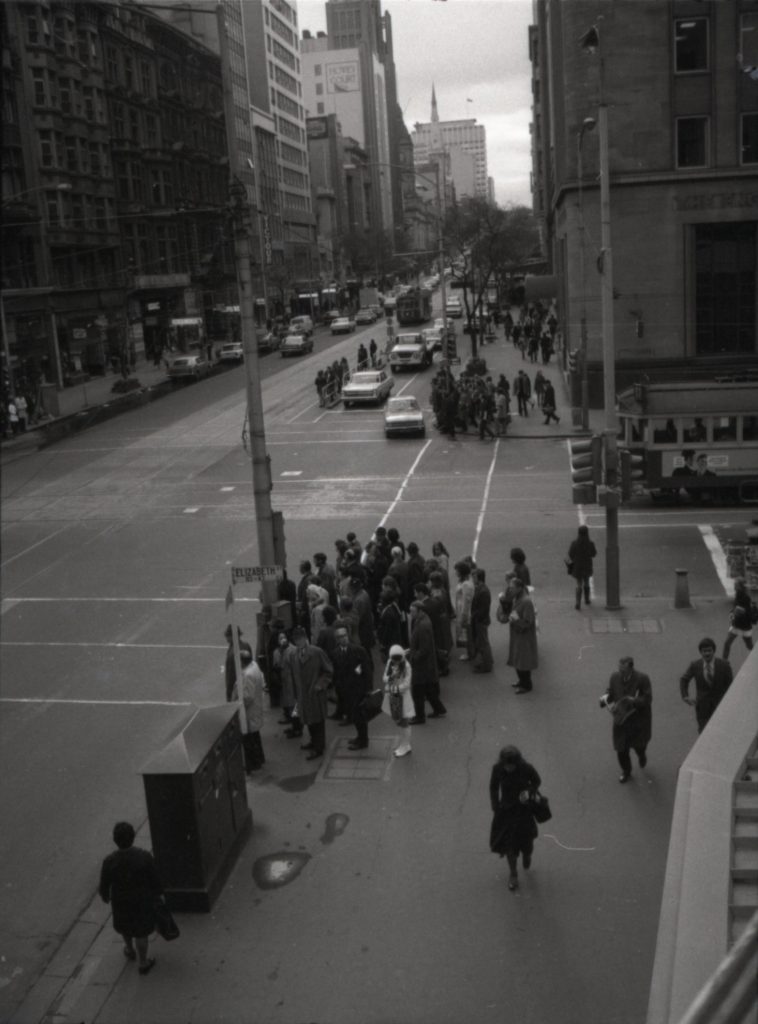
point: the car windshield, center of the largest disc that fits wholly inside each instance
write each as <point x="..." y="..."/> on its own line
<point x="365" y="378"/>
<point x="403" y="405"/>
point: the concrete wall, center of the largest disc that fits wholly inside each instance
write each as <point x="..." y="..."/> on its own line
<point x="693" y="924"/>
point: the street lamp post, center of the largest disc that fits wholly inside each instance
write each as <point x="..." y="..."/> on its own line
<point x="587" y="125"/>
<point x="591" y="43"/>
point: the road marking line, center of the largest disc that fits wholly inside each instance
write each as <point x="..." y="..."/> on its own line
<point x="88" y="643"/>
<point x="404" y="484"/>
<point x="94" y="703"/>
<point x="292" y="472"/>
<point x="228" y="488"/>
<point x="36" y="545"/>
<point x="135" y="600"/>
<point x="718" y="557"/>
<point x="191" y="511"/>
<point x="485" y="496"/>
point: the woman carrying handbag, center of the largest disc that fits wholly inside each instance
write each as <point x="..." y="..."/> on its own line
<point x="398" y="701"/>
<point x="513" y="787"/>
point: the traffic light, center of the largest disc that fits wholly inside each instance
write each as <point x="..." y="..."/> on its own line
<point x="632" y="468"/>
<point x="573" y="360"/>
<point x="451" y="349"/>
<point x="586" y="469"/>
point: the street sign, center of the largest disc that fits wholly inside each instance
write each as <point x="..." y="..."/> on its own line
<point x="255" y="573"/>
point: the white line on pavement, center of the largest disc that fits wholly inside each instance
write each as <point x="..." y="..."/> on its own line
<point x="88" y="643"/>
<point x="72" y="700"/>
<point x="404" y="484"/>
<point x="36" y="545"/>
<point x="485" y="496"/>
<point x="718" y="556"/>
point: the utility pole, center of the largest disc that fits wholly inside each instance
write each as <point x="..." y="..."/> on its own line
<point x="242" y="213"/>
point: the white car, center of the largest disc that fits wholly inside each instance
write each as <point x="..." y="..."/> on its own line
<point x="403" y="415"/>
<point x="303" y="323"/>
<point x="231" y="352"/>
<point x="189" y="367"/>
<point x="296" y="343"/>
<point x="454" y="308"/>
<point x="411" y="351"/>
<point x="433" y="338"/>
<point x="343" y="325"/>
<point x="367" y="386"/>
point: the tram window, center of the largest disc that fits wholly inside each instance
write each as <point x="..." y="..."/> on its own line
<point x="694" y="430"/>
<point x="750" y="428"/>
<point x="725" y="428"/>
<point x="665" y="432"/>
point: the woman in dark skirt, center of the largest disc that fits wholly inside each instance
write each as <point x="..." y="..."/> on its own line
<point x="512" y="784"/>
<point x="129" y="882"/>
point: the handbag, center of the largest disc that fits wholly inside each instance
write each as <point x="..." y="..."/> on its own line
<point x="540" y="808"/>
<point x="569" y="566"/>
<point x="165" y="924"/>
<point x="371" y="705"/>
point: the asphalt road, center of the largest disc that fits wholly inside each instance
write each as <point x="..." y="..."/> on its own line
<point x="117" y="545"/>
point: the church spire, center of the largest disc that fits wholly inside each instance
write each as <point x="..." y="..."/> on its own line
<point x="435" y="115"/>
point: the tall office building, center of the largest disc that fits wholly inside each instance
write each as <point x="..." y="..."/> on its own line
<point x="464" y="140"/>
<point x="346" y="72"/>
<point x="681" y="95"/>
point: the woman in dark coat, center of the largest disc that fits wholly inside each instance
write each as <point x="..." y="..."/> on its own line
<point x="512" y="785"/>
<point x="129" y="882"/>
<point x="580" y="556"/>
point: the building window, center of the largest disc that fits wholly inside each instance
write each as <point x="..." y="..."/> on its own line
<point x="319" y="108"/>
<point x="111" y="64"/>
<point x="691" y="142"/>
<point x="317" y="70"/>
<point x="151" y="131"/>
<point x="691" y="44"/>
<point x="72" y="162"/>
<point x="319" y="89"/>
<point x="46" y="149"/>
<point x="40" y="87"/>
<point x="146" y="78"/>
<point x="750" y="138"/>
<point x="726" y="260"/>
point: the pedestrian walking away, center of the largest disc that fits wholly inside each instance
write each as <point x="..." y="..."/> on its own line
<point x="372" y="352"/>
<point x="742" y="618"/>
<point x="522" y="648"/>
<point x="629" y="699"/>
<point x="514" y="784"/>
<point x="129" y="882"/>
<point x="549" y="403"/>
<point x="579" y="564"/>
<point x="712" y="677"/>
<point x="398" y="702"/>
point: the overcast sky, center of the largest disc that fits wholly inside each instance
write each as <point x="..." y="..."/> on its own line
<point x="471" y="50"/>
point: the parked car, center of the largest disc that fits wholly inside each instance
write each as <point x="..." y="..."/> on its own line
<point x="301" y="322"/>
<point x="454" y="308"/>
<point x="269" y="342"/>
<point x="343" y="325"/>
<point x="403" y="415"/>
<point x="441" y="322"/>
<point x="367" y="386"/>
<point x="410" y="351"/>
<point x="329" y="316"/>
<point x="296" y="343"/>
<point x="188" y="367"/>
<point x="365" y="316"/>
<point x="231" y="352"/>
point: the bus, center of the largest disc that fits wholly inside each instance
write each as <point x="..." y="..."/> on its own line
<point x="414" y="307"/>
<point x="697" y="439"/>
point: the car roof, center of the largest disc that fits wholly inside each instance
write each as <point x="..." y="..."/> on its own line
<point x="365" y="375"/>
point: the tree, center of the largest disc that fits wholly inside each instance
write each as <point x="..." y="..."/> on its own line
<point x="483" y="241"/>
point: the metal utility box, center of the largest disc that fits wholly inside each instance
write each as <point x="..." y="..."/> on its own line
<point x="197" y="807"/>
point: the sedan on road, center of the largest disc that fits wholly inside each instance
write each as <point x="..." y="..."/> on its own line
<point x="343" y="325"/>
<point x="296" y="344"/>
<point x="367" y="386"/>
<point x="365" y="316"/>
<point x="231" y="352"/>
<point x="433" y="338"/>
<point x="403" y="416"/>
<point x="188" y="367"/>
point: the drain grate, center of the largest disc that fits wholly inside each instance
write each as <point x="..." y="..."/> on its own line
<point x="371" y="764"/>
<point x="613" y="625"/>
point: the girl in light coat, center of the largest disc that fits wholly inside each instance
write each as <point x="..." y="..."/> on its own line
<point x="397" y="680"/>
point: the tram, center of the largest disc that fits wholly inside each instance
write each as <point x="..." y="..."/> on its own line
<point x="698" y="439"/>
<point x="414" y="307"/>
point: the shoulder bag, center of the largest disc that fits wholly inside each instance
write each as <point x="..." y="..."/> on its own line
<point x="540" y="808"/>
<point x="165" y="924"/>
<point x="371" y="705"/>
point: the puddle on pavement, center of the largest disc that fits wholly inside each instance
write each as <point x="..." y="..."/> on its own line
<point x="335" y="826"/>
<point x="297" y="783"/>
<point x="278" y="869"/>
